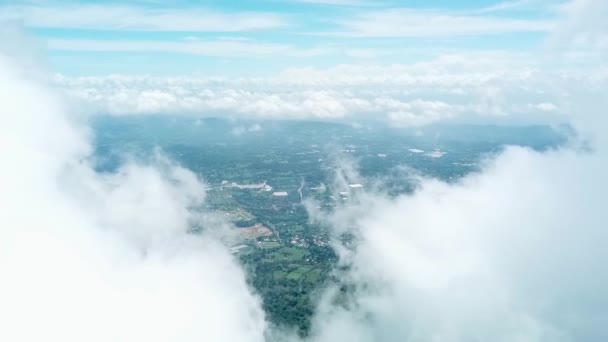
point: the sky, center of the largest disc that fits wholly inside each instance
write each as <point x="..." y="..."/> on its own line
<point x="264" y="36"/>
<point x="402" y="63"/>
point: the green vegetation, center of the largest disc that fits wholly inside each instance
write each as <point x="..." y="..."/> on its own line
<point x="286" y="278"/>
<point x="289" y="266"/>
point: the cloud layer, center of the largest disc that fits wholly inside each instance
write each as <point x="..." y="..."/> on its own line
<point x="486" y="87"/>
<point x="100" y="257"/>
<point x="138" y="18"/>
<point x="410" y="23"/>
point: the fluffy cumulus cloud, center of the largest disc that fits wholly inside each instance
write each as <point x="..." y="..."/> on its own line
<point x="513" y="253"/>
<point x="105" y="257"/>
<point x="491" y="87"/>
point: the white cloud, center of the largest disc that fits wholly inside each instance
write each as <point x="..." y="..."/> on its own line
<point x="450" y="88"/>
<point x="432" y="23"/>
<point x="451" y="69"/>
<point x="240" y="130"/>
<point x="513" y="253"/>
<point x="338" y="2"/>
<point x="545" y="106"/>
<point x="420" y="113"/>
<point x="296" y="104"/>
<point x="124" y="18"/>
<point x="100" y="257"/>
<point x="509" y="6"/>
<point x="583" y="30"/>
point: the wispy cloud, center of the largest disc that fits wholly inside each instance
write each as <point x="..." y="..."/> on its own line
<point x="507" y="6"/>
<point x="118" y="17"/>
<point x="583" y="30"/>
<point x="432" y="23"/>
<point x="357" y="3"/>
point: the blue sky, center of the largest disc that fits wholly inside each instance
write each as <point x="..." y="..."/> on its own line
<point x="407" y="63"/>
<point x="265" y="36"/>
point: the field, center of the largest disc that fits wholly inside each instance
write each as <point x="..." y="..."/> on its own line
<point x="255" y="231"/>
<point x="268" y="244"/>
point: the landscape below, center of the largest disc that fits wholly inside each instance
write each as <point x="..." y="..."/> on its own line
<point x="259" y="174"/>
